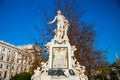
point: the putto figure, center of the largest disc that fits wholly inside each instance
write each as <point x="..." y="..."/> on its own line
<point x="62" y="26"/>
<point x="37" y="74"/>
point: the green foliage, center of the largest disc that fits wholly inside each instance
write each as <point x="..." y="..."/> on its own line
<point x="98" y="77"/>
<point x="105" y="70"/>
<point x="22" y="76"/>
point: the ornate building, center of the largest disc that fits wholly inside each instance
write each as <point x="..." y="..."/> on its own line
<point x="117" y="60"/>
<point x="16" y="59"/>
<point x="116" y="64"/>
<point x="115" y="69"/>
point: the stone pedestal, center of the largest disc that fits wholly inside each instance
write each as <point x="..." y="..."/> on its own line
<point x="60" y="55"/>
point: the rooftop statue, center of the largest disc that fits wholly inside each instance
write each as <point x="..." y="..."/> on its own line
<point x="62" y="26"/>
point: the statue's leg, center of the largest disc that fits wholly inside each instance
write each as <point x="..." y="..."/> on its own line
<point x="58" y="26"/>
<point x="61" y="32"/>
<point x="65" y="32"/>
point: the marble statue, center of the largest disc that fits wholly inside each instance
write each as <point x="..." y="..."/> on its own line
<point x="73" y="48"/>
<point x="44" y="67"/>
<point x="82" y="75"/>
<point x="78" y="67"/>
<point x="73" y="61"/>
<point x="62" y="64"/>
<point x="62" y="26"/>
<point x="81" y="70"/>
<point x="37" y="74"/>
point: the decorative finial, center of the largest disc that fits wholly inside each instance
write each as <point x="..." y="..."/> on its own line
<point x="117" y="58"/>
<point x="117" y="55"/>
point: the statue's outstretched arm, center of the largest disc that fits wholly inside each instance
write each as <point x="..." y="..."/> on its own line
<point x="52" y="20"/>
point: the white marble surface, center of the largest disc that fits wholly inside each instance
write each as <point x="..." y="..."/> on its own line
<point x="60" y="78"/>
<point x="61" y="54"/>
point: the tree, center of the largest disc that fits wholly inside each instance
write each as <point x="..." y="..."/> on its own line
<point x="22" y="76"/>
<point x="38" y="58"/>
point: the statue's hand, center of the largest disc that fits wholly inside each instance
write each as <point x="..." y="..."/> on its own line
<point x="49" y="22"/>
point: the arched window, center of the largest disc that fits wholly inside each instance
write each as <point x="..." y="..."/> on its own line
<point x="9" y="51"/>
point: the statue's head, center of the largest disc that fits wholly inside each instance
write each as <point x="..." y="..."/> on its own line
<point x="59" y="12"/>
<point x="42" y="63"/>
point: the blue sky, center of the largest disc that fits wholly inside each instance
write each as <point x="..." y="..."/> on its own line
<point x="18" y="18"/>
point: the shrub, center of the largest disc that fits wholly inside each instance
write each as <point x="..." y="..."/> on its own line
<point x="22" y="76"/>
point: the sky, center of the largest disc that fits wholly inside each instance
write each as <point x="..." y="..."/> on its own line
<point x="18" y="18"/>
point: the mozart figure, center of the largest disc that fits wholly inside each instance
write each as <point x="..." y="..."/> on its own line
<point x="62" y="25"/>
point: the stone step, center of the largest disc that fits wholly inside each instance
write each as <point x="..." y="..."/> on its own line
<point x="62" y="78"/>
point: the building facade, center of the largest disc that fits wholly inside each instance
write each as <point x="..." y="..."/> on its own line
<point x="15" y="59"/>
<point x="116" y="64"/>
<point x="117" y="60"/>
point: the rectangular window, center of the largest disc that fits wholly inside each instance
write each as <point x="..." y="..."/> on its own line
<point x="0" y="65"/>
<point x="1" y="57"/>
<point x="8" y="59"/>
<point x="6" y="66"/>
<point x="17" y="61"/>
<point x="5" y="74"/>
<point x="17" y="68"/>
<point x="13" y="60"/>
<point x="12" y="67"/>
<point x="0" y="74"/>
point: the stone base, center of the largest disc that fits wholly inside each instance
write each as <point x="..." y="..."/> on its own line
<point x="59" y="78"/>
